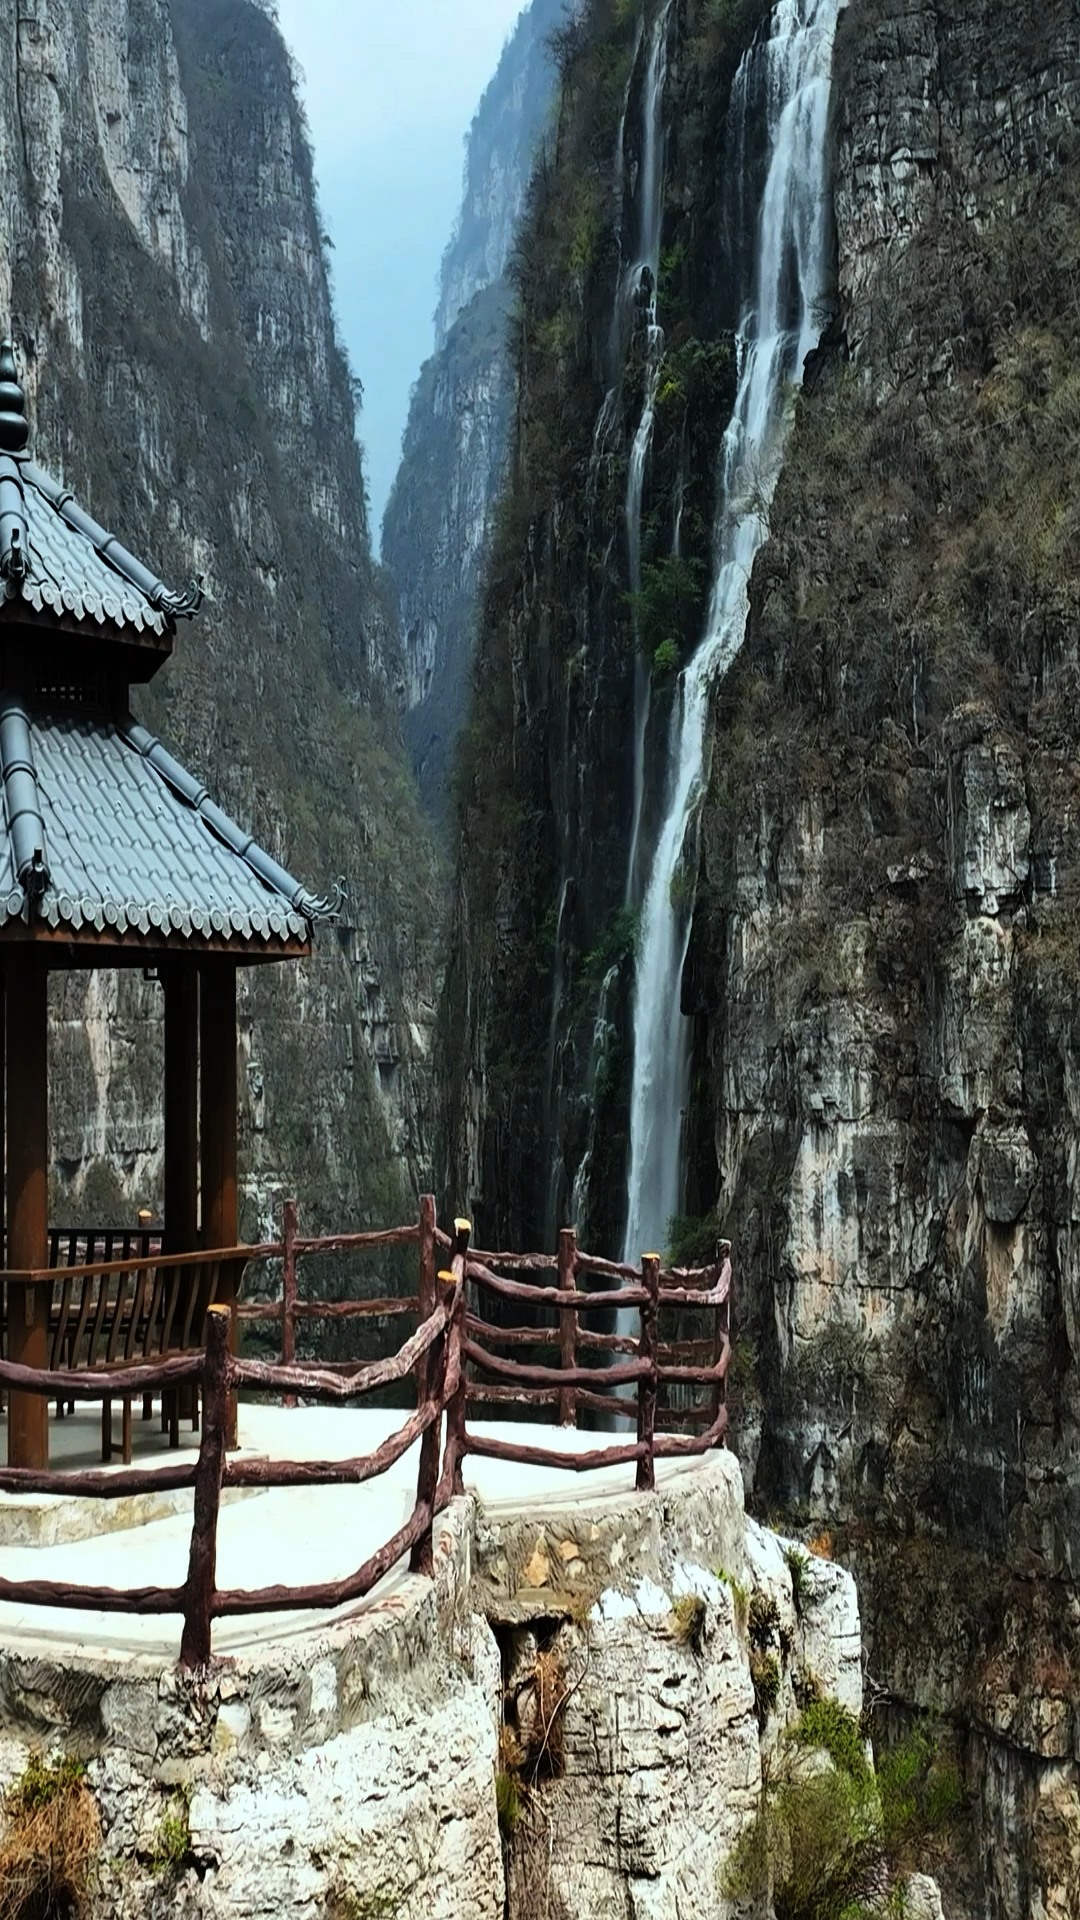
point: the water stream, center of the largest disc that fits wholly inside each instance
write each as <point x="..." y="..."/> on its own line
<point x="638" y="294"/>
<point x="785" y="80"/>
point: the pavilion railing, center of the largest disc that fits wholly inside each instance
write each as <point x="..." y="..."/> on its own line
<point x="449" y="1355"/>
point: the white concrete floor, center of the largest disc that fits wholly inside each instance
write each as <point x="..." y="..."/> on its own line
<point x="293" y="1536"/>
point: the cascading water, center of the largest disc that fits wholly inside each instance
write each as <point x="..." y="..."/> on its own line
<point x="786" y="78"/>
<point x="639" y="289"/>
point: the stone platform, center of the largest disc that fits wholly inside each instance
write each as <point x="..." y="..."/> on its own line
<point x="290" y="1535"/>
<point x="347" y="1765"/>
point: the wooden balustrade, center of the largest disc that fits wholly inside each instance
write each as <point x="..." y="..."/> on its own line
<point x="109" y="1353"/>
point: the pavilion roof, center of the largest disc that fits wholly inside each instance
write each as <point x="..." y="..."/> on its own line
<point x="54" y="555"/>
<point x="105" y="833"/>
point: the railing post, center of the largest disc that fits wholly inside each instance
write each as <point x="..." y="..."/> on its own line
<point x="202" y="1561"/>
<point x="567" y="1325"/>
<point x="429" y="1379"/>
<point x="289" y="1217"/>
<point x="723" y="1333"/>
<point x="455" y="1360"/>
<point x="646" y="1386"/>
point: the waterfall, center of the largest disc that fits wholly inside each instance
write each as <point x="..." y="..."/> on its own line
<point x="637" y="295"/>
<point x="787" y="78"/>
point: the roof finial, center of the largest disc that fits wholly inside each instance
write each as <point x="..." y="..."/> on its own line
<point x="14" y="430"/>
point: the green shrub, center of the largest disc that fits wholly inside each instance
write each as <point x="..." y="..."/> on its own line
<point x="509" y="1802"/>
<point x="172" y="1841"/>
<point x="739" y="1596"/>
<point x="829" y="1728"/>
<point x="798" y="1565"/>
<point x="829" y="1833"/>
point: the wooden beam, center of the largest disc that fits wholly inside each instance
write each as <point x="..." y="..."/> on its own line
<point x="217" y="1086"/>
<point x="27" y="1197"/>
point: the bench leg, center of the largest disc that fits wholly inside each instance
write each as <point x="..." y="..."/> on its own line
<point x="166" y="1397"/>
<point x="106" y="1429"/>
<point x="195" y="1409"/>
<point x="148" y="1406"/>
<point x="174" y="1418"/>
<point x="126" y="1433"/>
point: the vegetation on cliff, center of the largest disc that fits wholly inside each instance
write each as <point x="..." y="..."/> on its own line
<point x="190" y="387"/>
<point x="544" y="781"/>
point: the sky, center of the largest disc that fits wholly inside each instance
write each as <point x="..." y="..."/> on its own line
<point x="390" y="88"/>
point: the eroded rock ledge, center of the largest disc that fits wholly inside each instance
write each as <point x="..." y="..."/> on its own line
<point x="353" y="1771"/>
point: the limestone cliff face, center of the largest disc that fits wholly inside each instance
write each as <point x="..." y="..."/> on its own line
<point x="439" y="515"/>
<point x="163" y="269"/>
<point x="883" y="970"/>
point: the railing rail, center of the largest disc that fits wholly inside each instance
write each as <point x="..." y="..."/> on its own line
<point x="451" y="1356"/>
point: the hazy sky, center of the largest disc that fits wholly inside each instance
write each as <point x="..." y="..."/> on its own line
<point x="390" y="88"/>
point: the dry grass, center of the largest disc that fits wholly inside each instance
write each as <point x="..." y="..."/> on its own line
<point x="49" y="1843"/>
<point x="688" y="1617"/>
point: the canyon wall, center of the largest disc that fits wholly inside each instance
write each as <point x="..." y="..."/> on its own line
<point x="456" y="444"/>
<point x="882" y="968"/>
<point x="163" y="270"/>
<point x="883" y="972"/>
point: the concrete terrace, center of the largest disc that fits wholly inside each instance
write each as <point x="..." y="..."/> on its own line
<point x="296" y="1535"/>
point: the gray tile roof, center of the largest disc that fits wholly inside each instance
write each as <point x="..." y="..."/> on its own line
<point x="54" y="555"/>
<point x="128" y="840"/>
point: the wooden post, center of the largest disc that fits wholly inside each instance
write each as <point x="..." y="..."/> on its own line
<point x="290" y="1214"/>
<point x="27" y="1197"/>
<point x="217" y="1076"/>
<point x="455" y="1359"/>
<point x="646" y="1386"/>
<point x="202" y="1560"/>
<point x="723" y="1331"/>
<point x="180" y="984"/>
<point x="430" y="1376"/>
<point x="567" y="1325"/>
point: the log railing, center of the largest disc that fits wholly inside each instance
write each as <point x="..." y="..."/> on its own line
<point x="629" y="1374"/>
<point x="451" y="1357"/>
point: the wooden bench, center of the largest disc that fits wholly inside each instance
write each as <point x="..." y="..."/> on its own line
<point x="106" y="1315"/>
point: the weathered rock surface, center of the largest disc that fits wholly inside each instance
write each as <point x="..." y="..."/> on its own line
<point x="164" y="276"/>
<point x="885" y="1100"/>
<point x="353" y="1770"/>
<point x="439" y="516"/>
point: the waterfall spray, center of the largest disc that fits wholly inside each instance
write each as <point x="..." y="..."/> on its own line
<point x="787" y="78"/>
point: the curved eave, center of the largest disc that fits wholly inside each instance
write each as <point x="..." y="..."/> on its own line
<point x="110" y="948"/>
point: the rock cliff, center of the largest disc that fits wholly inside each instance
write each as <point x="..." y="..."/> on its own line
<point x="364" y="1767"/>
<point x="881" y="971"/>
<point x="456" y="444"/>
<point x="164" y="274"/>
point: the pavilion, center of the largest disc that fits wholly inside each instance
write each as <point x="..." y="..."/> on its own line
<point x="111" y="855"/>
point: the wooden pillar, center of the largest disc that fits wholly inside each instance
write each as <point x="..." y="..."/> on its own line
<point x="3" y="1171"/>
<point x="181" y="986"/>
<point x="27" y="1197"/>
<point x="217" y="1085"/>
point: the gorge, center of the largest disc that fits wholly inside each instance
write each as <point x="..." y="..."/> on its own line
<point x="702" y="768"/>
<point x="871" y="935"/>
